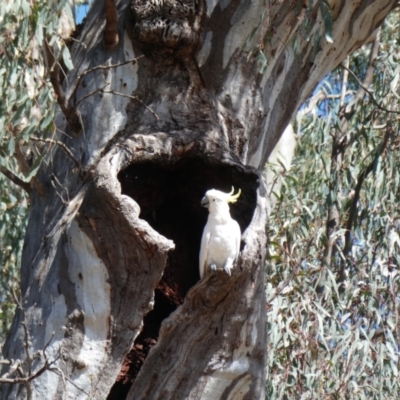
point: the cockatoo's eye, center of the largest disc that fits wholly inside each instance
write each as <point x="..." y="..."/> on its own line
<point x="213" y="199"/>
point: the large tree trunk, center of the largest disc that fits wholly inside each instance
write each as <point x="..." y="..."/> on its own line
<point x="110" y="263"/>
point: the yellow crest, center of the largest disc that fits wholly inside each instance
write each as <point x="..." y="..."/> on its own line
<point x="232" y="198"/>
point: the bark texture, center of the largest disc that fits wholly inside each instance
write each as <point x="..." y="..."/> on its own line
<point x="111" y="255"/>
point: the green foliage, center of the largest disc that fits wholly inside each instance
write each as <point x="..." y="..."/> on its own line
<point x="31" y="38"/>
<point x="344" y="344"/>
<point x="326" y="13"/>
<point x="31" y="35"/>
<point x="307" y="13"/>
<point x="13" y="209"/>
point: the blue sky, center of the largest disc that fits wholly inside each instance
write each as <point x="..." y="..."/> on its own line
<point x="81" y="12"/>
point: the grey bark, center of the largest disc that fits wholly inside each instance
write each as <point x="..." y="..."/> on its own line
<point x="193" y="113"/>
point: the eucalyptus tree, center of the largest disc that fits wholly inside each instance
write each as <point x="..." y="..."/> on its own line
<point x="341" y="342"/>
<point x="163" y="100"/>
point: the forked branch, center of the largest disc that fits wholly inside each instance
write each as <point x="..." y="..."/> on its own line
<point x="16" y="366"/>
<point x="63" y="146"/>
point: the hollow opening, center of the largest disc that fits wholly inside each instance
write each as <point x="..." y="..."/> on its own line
<point x="169" y="197"/>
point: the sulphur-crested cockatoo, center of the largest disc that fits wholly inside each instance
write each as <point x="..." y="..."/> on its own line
<point x="220" y="243"/>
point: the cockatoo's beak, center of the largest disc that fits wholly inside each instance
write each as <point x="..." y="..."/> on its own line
<point x="205" y="202"/>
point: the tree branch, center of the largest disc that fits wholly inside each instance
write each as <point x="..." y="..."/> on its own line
<point x="27" y="338"/>
<point x="370" y="69"/>
<point x="14" y="179"/>
<point x="99" y="67"/>
<point x="91" y="94"/>
<point x="364" y="88"/>
<point x="65" y="148"/>
<point x="333" y="218"/>
<point x="70" y="113"/>
<point x="354" y="206"/>
<point x="360" y="180"/>
<point x="25" y="380"/>
<point x="348" y="114"/>
<point x="60" y="373"/>
<point x="58" y="90"/>
<point x="134" y="98"/>
<point x="15" y="366"/>
<point x="26" y="169"/>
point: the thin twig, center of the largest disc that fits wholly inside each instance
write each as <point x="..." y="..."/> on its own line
<point x="53" y="178"/>
<point x="369" y="74"/>
<point x="91" y="94"/>
<point x="279" y="290"/>
<point x="70" y="110"/>
<point x="369" y="92"/>
<point x="65" y="148"/>
<point x="78" y="41"/>
<point x="27" y="344"/>
<point x="339" y="144"/>
<point x="58" y="371"/>
<point x="16" y="365"/>
<point x="29" y="378"/>
<point x="360" y="94"/>
<point x="26" y="169"/>
<point x="70" y="113"/>
<point x="357" y="191"/>
<point x="48" y="343"/>
<point x="27" y="339"/>
<point x="14" y="179"/>
<point x="99" y="67"/>
<point x="134" y="98"/>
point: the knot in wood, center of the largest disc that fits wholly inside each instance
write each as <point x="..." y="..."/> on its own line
<point x="168" y="29"/>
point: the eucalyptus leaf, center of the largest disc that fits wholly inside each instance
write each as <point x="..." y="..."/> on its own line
<point x="34" y="169"/>
<point x="67" y="58"/>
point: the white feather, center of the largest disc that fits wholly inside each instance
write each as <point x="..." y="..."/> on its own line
<point x="220" y="244"/>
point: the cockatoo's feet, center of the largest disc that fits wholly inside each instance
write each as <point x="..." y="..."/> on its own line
<point x="213" y="267"/>
<point x="228" y="266"/>
<point x="227" y="270"/>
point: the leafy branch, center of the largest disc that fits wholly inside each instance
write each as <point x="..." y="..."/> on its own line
<point x="14" y="179"/>
<point x="352" y="214"/>
<point x="365" y="89"/>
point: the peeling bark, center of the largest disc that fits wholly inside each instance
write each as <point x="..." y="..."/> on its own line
<point x="110" y="262"/>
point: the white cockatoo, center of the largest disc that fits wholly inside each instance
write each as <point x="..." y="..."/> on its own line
<point x="220" y="244"/>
